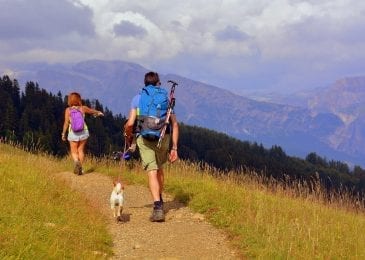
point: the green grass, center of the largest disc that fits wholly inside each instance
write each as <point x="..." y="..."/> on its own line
<point x="41" y="218"/>
<point x="264" y="224"/>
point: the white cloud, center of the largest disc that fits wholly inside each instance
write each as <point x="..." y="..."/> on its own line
<point x="240" y="39"/>
<point x="125" y="28"/>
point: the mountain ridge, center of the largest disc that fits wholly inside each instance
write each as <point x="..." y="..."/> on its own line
<point x="299" y="130"/>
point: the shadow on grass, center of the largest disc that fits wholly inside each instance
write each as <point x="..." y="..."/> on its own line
<point x="90" y="170"/>
<point x="174" y="204"/>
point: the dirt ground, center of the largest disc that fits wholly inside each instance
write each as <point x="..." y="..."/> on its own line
<point x="184" y="235"/>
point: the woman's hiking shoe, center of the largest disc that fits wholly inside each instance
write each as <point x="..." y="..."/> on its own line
<point x="78" y="168"/>
<point x="157" y="215"/>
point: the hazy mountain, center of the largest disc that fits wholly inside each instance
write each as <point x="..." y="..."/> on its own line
<point x="345" y="98"/>
<point x="114" y="83"/>
<point x="319" y="128"/>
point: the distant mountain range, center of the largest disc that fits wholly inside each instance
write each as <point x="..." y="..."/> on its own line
<point x="346" y="99"/>
<point x="329" y="121"/>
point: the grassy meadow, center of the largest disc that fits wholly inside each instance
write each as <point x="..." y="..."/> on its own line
<point x="41" y="218"/>
<point x="262" y="221"/>
<point x="265" y="221"/>
<point x="267" y="224"/>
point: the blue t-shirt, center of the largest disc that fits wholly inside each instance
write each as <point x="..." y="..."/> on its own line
<point x="135" y="101"/>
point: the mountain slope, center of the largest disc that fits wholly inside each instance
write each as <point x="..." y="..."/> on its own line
<point x="298" y="130"/>
<point x="345" y="98"/>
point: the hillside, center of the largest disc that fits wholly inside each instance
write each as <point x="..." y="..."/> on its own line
<point x="298" y="130"/>
<point x="43" y="218"/>
<point x="34" y="118"/>
<point x="71" y="217"/>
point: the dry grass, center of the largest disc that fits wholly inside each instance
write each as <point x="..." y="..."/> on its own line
<point x="41" y="218"/>
<point x="264" y="218"/>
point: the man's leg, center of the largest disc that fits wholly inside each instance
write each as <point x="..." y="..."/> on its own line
<point x="161" y="179"/>
<point x="157" y="213"/>
<point x="148" y="156"/>
<point x="154" y="184"/>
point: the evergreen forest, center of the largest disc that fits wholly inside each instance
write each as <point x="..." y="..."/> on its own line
<point x="34" y="117"/>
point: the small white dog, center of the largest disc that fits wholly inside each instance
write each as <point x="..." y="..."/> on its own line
<point x="117" y="200"/>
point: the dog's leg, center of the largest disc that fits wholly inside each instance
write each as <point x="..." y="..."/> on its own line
<point x="119" y="211"/>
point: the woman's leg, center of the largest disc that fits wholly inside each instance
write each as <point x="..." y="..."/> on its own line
<point x="76" y="157"/>
<point x="74" y="150"/>
<point x="81" y="150"/>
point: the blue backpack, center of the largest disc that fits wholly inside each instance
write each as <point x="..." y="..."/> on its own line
<point x="153" y="105"/>
<point x="77" y="119"/>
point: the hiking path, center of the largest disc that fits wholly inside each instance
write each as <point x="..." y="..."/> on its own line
<point x="183" y="235"/>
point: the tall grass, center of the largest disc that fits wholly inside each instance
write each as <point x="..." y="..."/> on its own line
<point x="41" y="218"/>
<point x="266" y="219"/>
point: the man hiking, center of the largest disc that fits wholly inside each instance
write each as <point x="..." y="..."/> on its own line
<point x="150" y="108"/>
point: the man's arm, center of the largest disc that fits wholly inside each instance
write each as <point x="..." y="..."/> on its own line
<point x="132" y="118"/>
<point x="128" y="126"/>
<point x="175" y="138"/>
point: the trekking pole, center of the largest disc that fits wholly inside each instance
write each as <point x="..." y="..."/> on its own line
<point x="169" y="111"/>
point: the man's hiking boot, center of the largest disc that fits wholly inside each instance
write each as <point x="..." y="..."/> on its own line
<point x="157" y="215"/>
<point x="78" y="168"/>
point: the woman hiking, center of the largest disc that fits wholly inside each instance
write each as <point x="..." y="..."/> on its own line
<point x="78" y="132"/>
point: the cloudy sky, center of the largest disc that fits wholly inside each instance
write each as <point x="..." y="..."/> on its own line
<point x="242" y="45"/>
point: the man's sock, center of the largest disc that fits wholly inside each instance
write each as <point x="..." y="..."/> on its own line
<point x="157" y="204"/>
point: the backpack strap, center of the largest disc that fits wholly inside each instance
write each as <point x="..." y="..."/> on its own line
<point x="79" y="108"/>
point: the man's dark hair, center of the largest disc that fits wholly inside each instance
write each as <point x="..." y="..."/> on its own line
<point x="151" y="78"/>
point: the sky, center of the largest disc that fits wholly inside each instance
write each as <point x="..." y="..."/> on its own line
<point x="245" y="46"/>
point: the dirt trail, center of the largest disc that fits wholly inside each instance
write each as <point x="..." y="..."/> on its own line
<point x="184" y="235"/>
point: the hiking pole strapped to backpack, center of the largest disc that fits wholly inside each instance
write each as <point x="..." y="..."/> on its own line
<point x="169" y="111"/>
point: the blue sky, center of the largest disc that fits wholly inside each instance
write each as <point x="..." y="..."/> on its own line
<point x="246" y="46"/>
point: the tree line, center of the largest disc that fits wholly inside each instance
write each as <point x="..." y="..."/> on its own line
<point x="227" y="153"/>
<point x="34" y="119"/>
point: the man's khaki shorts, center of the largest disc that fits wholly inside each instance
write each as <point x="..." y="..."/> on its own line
<point x="152" y="157"/>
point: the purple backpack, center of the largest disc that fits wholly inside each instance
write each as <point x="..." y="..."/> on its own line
<point x="77" y="120"/>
